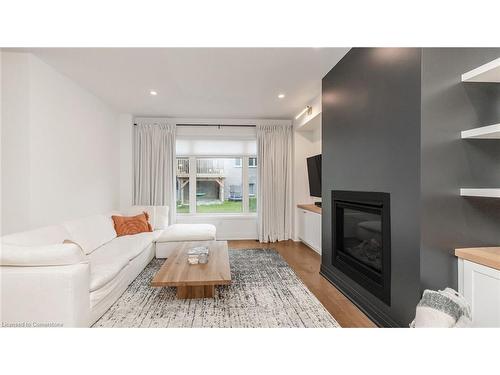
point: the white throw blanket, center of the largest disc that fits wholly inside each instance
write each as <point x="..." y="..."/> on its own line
<point x="442" y="309"/>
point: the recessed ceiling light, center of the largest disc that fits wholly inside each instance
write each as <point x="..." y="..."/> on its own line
<point x="281" y="96"/>
<point x="153" y="93"/>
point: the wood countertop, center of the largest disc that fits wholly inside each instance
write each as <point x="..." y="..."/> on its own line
<point x="487" y="256"/>
<point x="310" y="207"/>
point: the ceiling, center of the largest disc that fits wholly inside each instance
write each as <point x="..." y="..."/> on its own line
<point x="198" y="82"/>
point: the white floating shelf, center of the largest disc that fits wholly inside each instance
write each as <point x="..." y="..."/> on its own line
<point x="489" y="72"/>
<point x="486" y="193"/>
<point x="484" y="132"/>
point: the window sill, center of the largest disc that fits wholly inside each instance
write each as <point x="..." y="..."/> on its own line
<point x="240" y="215"/>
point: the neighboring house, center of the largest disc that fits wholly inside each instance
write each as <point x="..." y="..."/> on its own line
<point x="217" y="179"/>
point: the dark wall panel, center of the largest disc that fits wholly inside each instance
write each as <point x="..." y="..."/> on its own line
<point x="371" y="142"/>
<point x="448" y="162"/>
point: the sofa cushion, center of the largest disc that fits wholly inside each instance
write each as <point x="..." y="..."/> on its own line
<point x="91" y="232"/>
<point x="130" y="245"/>
<point x="54" y="234"/>
<point x="158" y="215"/>
<point x="108" y="260"/>
<point x="188" y="232"/>
<point x="157" y="234"/>
<point x="104" y="267"/>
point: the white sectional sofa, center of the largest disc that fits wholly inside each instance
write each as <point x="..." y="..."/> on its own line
<point x="47" y="282"/>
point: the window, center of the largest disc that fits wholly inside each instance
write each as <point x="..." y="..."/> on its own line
<point x="216" y="170"/>
<point x="252" y="184"/>
<point x="219" y="185"/>
<point x="182" y="185"/>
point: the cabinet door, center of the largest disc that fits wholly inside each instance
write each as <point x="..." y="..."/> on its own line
<point x="302" y="223"/>
<point x="315" y="239"/>
<point x="482" y="289"/>
<point x="308" y="227"/>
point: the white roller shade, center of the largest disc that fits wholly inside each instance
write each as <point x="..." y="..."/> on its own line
<point x="212" y="141"/>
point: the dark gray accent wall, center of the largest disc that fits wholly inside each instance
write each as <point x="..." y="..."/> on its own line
<point x="391" y="122"/>
<point x="448" y="162"/>
<point x="371" y="142"/>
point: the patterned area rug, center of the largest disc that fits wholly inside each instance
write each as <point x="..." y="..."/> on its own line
<point x="265" y="292"/>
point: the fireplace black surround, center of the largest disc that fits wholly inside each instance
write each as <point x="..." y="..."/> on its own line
<point x="361" y="246"/>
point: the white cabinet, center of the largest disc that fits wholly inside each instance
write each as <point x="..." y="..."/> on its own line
<point x="480" y="285"/>
<point x="309" y="228"/>
<point x="301" y="230"/>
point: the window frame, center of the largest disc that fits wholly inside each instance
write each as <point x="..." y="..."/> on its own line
<point x="245" y="184"/>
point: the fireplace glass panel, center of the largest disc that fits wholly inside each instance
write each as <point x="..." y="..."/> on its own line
<point x="362" y="236"/>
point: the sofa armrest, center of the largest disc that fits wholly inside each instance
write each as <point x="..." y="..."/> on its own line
<point x="41" y="256"/>
<point x="47" y="296"/>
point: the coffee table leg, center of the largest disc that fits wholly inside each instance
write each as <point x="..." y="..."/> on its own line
<point x="201" y="291"/>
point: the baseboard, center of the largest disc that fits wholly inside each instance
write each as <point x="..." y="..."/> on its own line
<point x="236" y="238"/>
<point x="379" y="317"/>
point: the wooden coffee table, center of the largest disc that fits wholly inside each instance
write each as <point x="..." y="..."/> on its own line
<point x="195" y="280"/>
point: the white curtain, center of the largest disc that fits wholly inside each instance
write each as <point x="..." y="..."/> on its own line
<point x="274" y="155"/>
<point x="154" y="165"/>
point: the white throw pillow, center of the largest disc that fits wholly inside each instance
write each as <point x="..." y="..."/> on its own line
<point x="161" y="217"/>
<point x="91" y="232"/>
<point x="158" y="215"/>
<point x="137" y="210"/>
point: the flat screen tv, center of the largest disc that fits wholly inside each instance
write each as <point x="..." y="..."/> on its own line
<point x="314" y="172"/>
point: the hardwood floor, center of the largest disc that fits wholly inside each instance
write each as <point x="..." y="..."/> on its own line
<point x="306" y="263"/>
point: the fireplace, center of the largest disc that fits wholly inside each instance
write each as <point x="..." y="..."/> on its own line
<point x="361" y="244"/>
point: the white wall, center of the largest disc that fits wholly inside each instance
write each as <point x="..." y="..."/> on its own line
<point x="60" y="147"/>
<point x="307" y="142"/>
<point x="1" y="146"/>
<point x="126" y="129"/>
<point x="15" y="154"/>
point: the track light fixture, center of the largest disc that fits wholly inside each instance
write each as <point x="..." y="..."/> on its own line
<point x="307" y="110"/>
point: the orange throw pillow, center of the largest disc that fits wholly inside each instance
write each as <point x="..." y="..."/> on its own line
<point x="128" y="225"/>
